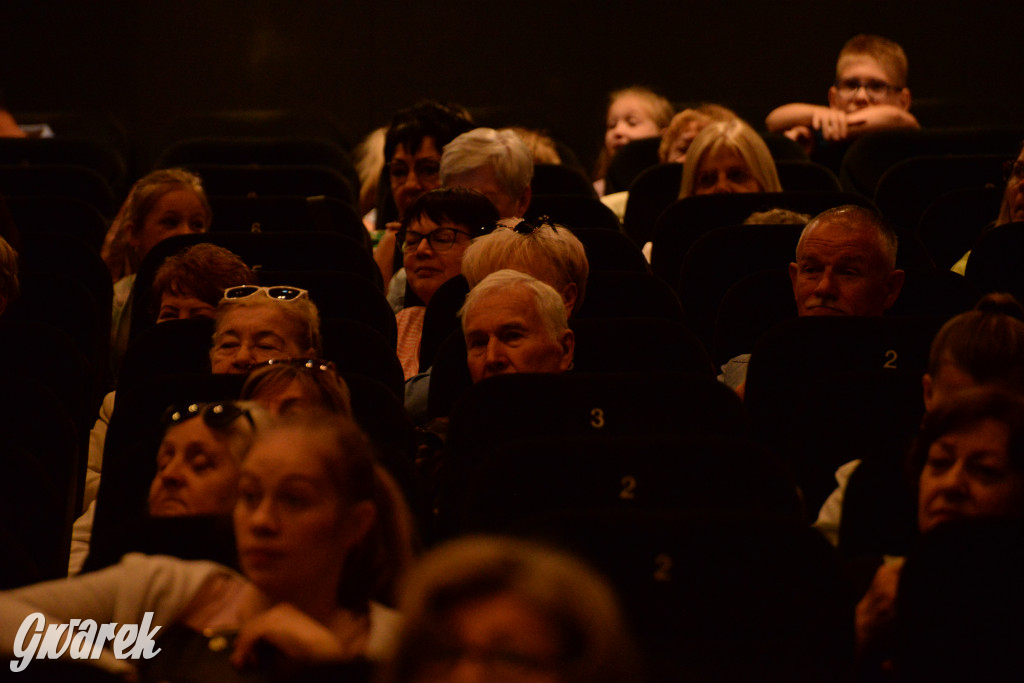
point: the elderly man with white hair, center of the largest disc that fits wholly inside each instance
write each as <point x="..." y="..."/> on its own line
<point x="495" y="163"/>
<point x="513" y="322"/>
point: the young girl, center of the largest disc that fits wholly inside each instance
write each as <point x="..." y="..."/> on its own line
<point x="321" y="532"/>
<point x="164" y="203"/>
<point x="633" y="113"/>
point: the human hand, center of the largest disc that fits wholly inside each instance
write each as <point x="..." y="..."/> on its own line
<point x="876" y="610"/>
<point x="291" y="632"/>
<point x="831" y="122"/>
<point x="802" y="136"/>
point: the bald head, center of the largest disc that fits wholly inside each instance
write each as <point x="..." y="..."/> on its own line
<point x="846" y="265"/>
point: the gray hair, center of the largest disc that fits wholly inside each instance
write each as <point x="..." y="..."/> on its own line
<point x="301" y="311"/>
<point x="549" y="303"/>
<point x="502" y="150"/>
<point x="853" y="217"/>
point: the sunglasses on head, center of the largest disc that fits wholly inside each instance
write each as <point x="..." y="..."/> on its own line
<point x="312" y="364"/>
<point x="281" y="293"/>
<point x="216" y="415"/>
<point x="526" y="228"/>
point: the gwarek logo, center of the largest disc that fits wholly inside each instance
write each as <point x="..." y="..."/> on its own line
<point x="87" y="643"/>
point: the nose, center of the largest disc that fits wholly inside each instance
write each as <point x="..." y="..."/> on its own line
<point x="954" y="482"/>
<point x="825" y="288"/>
<point x="424" y="248"/>
<point x="722" y="185"/>
<point x="860" y="95"/>
<point x="495" y="360"/>
<point x="244" y="357"/>
<point x="263" y="519"/>
<point x="172" y="476"/>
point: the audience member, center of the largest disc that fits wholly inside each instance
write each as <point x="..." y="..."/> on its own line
<point x="982" y="347"/>
<point x="495" y="163"/>
<point x="296" y="385"/>
<point x="777" y="217"/>
<point x="10" y="288"/>
<point x="845" y="266"/>
<point x="1012" y="208"/>
<point x="543" y="149"/>
<point x="633" y="113"/>
<point x="164" y="203"/>
<point x="870" y="93"/>
<point x="728" y="157"/>
<point x="322" y="533"/>
<point x="197" y="465"/>
<point x="968" y="463"/>
<point x="513" y="322"/>
<point x="489" y="609"/>
<point x="548" y="252"/>
<point x="257" y="324"/>
<point x="684" y="128"/>
<point x="412" y="157"/>
<point x="436" y="231"/>
<point x="191" y="283"/>
<point x="369" y="156"/>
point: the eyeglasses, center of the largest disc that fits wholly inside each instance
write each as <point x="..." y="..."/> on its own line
<point x="526" y="228"/>
<point x="282" y="293"/>
<point x="1013" y="170"/>
<point x="875" y="90"/>
<point x="425" y="169"/>
<point x="317" y="364"/>
<point x="441" y="239"/>
<point x="215" y="415"/>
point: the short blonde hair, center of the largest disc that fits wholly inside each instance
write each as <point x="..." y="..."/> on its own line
<point x="541" y="145"/>
<point x="889" y="55"/>
<point x="551" y="253"/>
<point x="575" y="600"/>
<point x="501" y="150"/>
<point x="739" y="137"/>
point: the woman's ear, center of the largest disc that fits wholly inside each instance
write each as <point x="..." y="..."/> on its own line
<point x="358" y="521"/>
<point x="927" y="384"/>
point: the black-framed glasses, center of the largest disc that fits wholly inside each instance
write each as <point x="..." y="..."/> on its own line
<point x="281" y="293"/>
<point x="439" y="240"/>
<point x="1013" y="170"/>
<point x="874" y="89"/>
<point x="311" y="364"/>
<point x="525" y="227"/>
<point x="216" y="415"/>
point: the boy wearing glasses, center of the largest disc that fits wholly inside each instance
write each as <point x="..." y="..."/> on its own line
<point x="870" y="93"/>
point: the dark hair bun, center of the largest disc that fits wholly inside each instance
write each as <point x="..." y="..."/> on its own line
<point x="1001" y="302"/>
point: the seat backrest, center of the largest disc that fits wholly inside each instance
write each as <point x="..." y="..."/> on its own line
<point x="951" y="224"/>
<point x="573" y="211"/>
<point x="629" y="162"/>
<point x="934" y="292"/>
<point x="628" y="294"/>
<point x="523" y="478"/>
<point x="722" y="257"/>
<point x="559" y="179"/>
<point x="357" y="348"/>
<point x="995" y="262"/>
<point x="806" y="176"/>
<point x="869" y="157"/>
<point x="790" y="357"/>
<point x="72" y="182"/>
<point x="611" y="250"/>
<point x="70" y="151"/>
<point x="652" y="191"/>
<point x="909" y="186"/>
<point x="682" y="223"/>
<point x="275" y="181"/>
<point x="751" y="307"/>
<point x="441" y="318"/>
<point x="285" y="214"/>
<point x="59" y="215"/>
<point x="633" y="344"/>
<point x="173" y="346"/>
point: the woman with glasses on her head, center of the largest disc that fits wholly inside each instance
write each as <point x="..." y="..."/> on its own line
<point x="255" y="324"/>
<point x="436" y="230"/>
<point x="321" y="532"/>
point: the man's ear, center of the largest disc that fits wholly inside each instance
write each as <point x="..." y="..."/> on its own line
<point x="904" y="99"/>
<point x="793" y="271"/>
<point x="569" y="295"/>
<point x="833" y="98"/>
<point x="524" y="201"/>
<point x="567" y="340"/>
<point x="893" y="284"/>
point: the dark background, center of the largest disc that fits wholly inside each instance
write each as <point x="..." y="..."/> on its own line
<point x="544" y="63"/>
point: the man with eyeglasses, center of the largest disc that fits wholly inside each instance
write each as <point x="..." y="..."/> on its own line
<point x="869" y="93"/>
